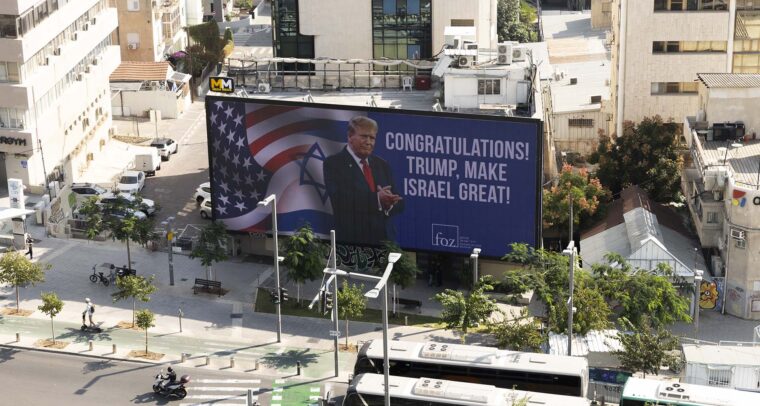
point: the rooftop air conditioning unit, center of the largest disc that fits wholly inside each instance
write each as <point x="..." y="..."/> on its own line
<point x="504" y="54"/>
<point x="519" y="54"/>
<point x="132" y="46"/>
<point x="465" y="61"/>
<point x="264" y="88"/>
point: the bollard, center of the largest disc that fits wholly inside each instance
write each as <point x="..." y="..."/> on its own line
<point x="232" y="362"/>
<point x="298" y="368"/>
<point x="208" y="360"/>
<point x="114" y="349"/>
<point x="184" y="357"/>
<point x="180" y="318"/>
<point x="406" y="320"/>
<point x="249" y="402"/>
<point x="90" y="344"/>
<point x="18" y="337"/>
<point x="256" y="365"/>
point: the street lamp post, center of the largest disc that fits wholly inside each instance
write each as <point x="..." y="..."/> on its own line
<point x="474" y="257"/>
<point x="697" y="283"/>
<point x="273" y="199"/>
<point x="570" y="252"/>
<point x="169" y="226"/>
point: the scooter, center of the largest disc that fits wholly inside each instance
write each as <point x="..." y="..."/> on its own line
<point x="90" y="329"/>
<point x="168" y="389"/>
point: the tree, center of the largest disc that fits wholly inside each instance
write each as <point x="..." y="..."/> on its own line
<point x="521" y="333"/>
<point x="119" y="217"/>
<point x="508" y="24"/>
<point x="51" y="305"/>
<point x="304" y="257"/>
<point x="640" y="294"/>
<point x="351" y="303"/>
<point x="646" y="154"/>
<point x="547" y="273"/>
<point x="646" y="348"/>
<point x="145" y="320"/>
<point x="136" y="288"/>
<point x="461" y="311"/>
<point x="208" y="45"/>
<point x="211" y="246"/>
<point x="587" y="194"/>
<point x="17" y="271"/>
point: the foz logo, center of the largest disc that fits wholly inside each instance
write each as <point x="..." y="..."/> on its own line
<point x="445" y="236"/>
<point x="221" y="84"/>
<point x="738" y="198"/>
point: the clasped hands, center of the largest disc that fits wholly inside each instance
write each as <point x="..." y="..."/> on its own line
<point x="387" y="198"/>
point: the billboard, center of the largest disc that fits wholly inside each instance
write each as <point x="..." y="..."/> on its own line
<point x="429" y="181"/>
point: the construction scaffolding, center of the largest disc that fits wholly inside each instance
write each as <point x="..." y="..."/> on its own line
<point x="264" y="74"/>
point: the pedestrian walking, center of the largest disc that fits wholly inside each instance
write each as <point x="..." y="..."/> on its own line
<point x="89" y="310"/>
<point x="29" y="245"/>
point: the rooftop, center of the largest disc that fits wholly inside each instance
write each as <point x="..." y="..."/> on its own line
<point x="722" y="354"/>
<point x="592" y="79"/>
<point x="730" y="80"/>
<point x="743" y="158"/>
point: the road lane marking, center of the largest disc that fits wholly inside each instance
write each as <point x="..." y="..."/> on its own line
<point x="227" y="380"/>
<point x="222" y="389"/>
<point x="214" y="397"/>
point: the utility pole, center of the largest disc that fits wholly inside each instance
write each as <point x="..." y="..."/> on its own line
<point x="570" y="252"/>
<point x="169" y="225"/>
<point x="44" y="171"/>
<point x="334" y="267"/>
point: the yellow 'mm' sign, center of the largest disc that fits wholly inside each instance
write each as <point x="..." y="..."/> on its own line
<point x="221" y="84"/>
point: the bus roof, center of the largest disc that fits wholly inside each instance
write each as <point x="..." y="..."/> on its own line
<point x="687" y="394"/>
<point x="486" y="357"/>
<point x="457" y="393"/>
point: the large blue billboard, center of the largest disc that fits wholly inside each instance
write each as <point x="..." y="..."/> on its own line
<point x="429" y="181"/>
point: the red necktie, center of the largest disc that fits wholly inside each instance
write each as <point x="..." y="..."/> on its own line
<point x="368" y="175"/>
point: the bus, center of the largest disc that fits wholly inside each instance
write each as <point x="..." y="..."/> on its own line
<point x="640" y="392"/>
<point x="368" y="390"/>
<point x="533" y="372"/>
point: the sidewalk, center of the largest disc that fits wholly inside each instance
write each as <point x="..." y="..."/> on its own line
<point x="213" y="326"/>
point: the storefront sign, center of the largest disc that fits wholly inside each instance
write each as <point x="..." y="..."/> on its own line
<point x="13" y="141"/>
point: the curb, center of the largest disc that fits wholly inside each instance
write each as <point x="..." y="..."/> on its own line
<point x="79" y="354"/>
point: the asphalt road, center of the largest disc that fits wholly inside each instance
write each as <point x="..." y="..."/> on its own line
<point x="174" y="185"/>
<point x="42" y="378"/>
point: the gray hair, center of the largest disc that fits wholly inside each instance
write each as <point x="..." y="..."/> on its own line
<point x="363" y="122"/>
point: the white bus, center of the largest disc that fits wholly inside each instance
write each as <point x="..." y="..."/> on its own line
<point x="527" y="371"/>
<point x="650" y="392"/>
<point x="368" y="390"/>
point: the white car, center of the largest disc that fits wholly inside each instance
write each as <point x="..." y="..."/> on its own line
<point x="147" y="206"/>
<point x="84" y="191"/>
<point x="165" y="146"/>
<point x="206" y="209"/>
<point x="131" y="182"/>
<point x="203" y="192"/>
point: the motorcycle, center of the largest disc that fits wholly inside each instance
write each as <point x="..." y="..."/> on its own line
<point x="168" y="389"/>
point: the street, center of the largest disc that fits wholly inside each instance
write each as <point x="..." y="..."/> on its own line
<point x="76" y="380"/>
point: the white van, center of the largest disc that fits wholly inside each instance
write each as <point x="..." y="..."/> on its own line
<point x="148" y="162"/>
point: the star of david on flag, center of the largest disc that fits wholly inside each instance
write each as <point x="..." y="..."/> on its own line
<point x="261" y="149"/>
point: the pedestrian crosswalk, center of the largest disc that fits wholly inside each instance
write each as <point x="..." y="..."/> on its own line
<point x="283" y="392"/>
<point x="221" y="392"/>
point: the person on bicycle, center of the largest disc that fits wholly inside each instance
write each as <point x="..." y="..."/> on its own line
<point x="89" y="310"/>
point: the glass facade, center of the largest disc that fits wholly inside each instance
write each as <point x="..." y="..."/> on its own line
<point x="747" y="42"/>
<point x="402" y="29"/>
<point x="288" y="42"/>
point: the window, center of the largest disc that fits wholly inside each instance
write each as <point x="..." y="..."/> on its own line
<point x="402" y="29"/>
<point x="719" y="376"/>
<point x="134" y="5"/>
<point x="288" y="40"/>
<point x="740" y="243"/>
<point x="580" y="122"/>
<point x="9" y="72"/>
<point x="690" y="5"/>
<point x="674" y="88"/>
<point x="489" y="86"/>
<point x="662" y="47"/>
<point x="712" y="217"/>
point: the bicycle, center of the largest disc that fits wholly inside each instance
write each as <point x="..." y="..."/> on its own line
<point x="98" y="276"/>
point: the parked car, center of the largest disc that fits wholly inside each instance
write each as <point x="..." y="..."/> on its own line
<point x="205" y="208"/>
<point x="85" y="191"/>
<point x="165" y="146"/>
<point x="148" y="162"/>
<point x="203" y="192"/>
<point x="118" y="213"/>
<point x="147" y="206"/>
<point x="131" y="182"/>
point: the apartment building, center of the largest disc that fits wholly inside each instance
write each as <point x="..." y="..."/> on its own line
<point x="376" y="29"/>
<point x="151" y="29"/>
<point x="722" y="185"/>
<point x="55" y="60"/>
<point x="658" y="47"/>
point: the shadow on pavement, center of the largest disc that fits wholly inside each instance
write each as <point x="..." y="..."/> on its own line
<point x="6" y="354"/>
<point x="95" y="366"/>
<point x="289" y="358"/>
<point x="150" y="397"/>
<point x="79" y="336"/>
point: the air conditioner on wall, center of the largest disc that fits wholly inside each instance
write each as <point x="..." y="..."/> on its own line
<point x="504" y="53"/>
<point x="737" y="234"/>
<point x="519" y="54"/>
<point x="465" y="61"/>
<point x="132" y="46"/>
<point x="264" y="88"/>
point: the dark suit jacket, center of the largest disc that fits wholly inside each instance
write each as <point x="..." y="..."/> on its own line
<point x="356" y="215"/>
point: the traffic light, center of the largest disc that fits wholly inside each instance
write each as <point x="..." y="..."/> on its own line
<point x="322" y="296"/>
<point x="275" y="296"/>
<point x="328" y="302"/>
<point x="284" y="295"/>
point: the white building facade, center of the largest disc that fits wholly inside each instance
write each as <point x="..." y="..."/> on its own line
<point x="55" y="60"/>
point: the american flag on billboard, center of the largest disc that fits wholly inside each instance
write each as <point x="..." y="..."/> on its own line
<point x="261" y="149"/>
